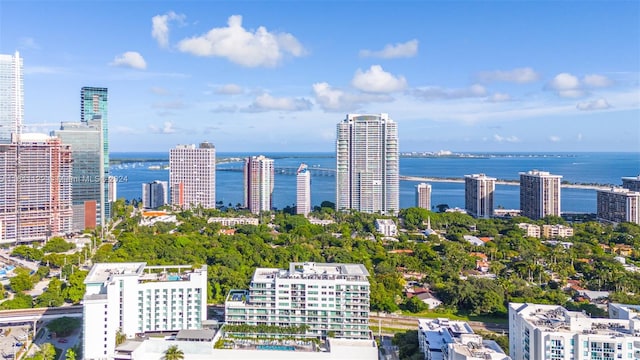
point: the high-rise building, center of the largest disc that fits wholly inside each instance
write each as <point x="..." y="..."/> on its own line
<point x="94" y="106"/>
<point x="134" y="298"/>
<point x="423" y="196"/>
<point x="326" y="297"/>
<point x="192" y="176"/>
<point x="618" y="205"/>
<point x="155" y="194"/>
<point x="303" y="190"/>
<point x="88" y="191"/>
<point x="11" y="97"/>
<point x="258" y="183"/>
<point x="367" y="164"/>
<point x="35" y="189"/>
<point x="539" y="194"/>
<point x="478" y="195"/>
<point x="113" y="188"/>
<point x="631" y="183"/>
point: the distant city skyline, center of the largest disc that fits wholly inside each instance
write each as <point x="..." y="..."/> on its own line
<point x="248" y="76"/>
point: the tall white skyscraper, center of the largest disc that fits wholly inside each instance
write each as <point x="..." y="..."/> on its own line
<point x="423" y="196"/>
<point x="303" y="190"/>
<point x="367" y="164"/>
<point x="258" y="183"/>
<point x="539" y="194"/>
<point x="192" y="176"/>
<point x="11" y="96"/>
<point x="478" y="195"/>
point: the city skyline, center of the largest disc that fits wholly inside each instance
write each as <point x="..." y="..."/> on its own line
<point x="447" y="79"/>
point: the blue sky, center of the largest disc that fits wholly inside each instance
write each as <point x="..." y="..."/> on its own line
<point x="258" y="76"/>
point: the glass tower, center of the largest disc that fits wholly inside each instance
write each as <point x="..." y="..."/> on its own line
<point x="11" y="96"/>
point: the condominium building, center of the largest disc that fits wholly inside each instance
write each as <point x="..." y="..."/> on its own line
<point x="35" y="189"/>
<point x="631" y="183"/>
<point x="93" y="107"/>
<point x="258" y="183"/>
<point x="556" y="231"/>
<point x="155" y="194"/>
<point x="192" y="176"/>
<point x="618" y="205"/>
<point x="539" y="194"/>
<point x="234" y="221"/>
<point x="367" y="164"/>
<point x="444" y="339"/>
<point x="386" y="227"/>
<point x="11" y="96"/>
<point x="134" y="298"/>
<point x="541" y="332"/>
<point x="423" y="196"/>
<point x="113" y="188"/>
<point x="303" y="190"/>
<point x="478" y="195"/>
<point x="332" y="299"/>
<point x="530" y="230"/>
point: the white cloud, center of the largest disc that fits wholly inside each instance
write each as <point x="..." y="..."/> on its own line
<point x="331" y="99"/>
<point x="599" y="104"/>
<point x="167" y="128"/>
<point x="595" y="80"/>
<point x="499" y="97"/>
<point x="246" y="48"/>
<point x="160" y="27"/>
<point x="170" y="105"/>
<point x="266" y="102"/>
<point x="566" y="85"/>
<point x="510" y="139"/>
<point x="229" y="89"/>
<point x="376" y="80"/>
<point x="432" y="93"/>
<point x="519" y="75"/>
<point x="131" y="59"/>
<point x="554" y="138"/>
<point x="391" y="51"/>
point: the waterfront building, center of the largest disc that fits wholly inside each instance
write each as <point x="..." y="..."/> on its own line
<point x="155" y="194"/>
<point x="478" y="195"/>
<point x="618" y="205"/>
<point x="551" y="332"/>
<point x="423" y="196"/>
<point x="303" y="190"/>
<point x="332" y="299"/>
<point x="444" y="339"/>
<point x="94" y="107"/>
<point x="11" y="97"/>
<point x="192" y="176"/>
<point x="539" y="194"/>
<point x="367" y="164"/>
<point x="631" y="183"/>
<point x="134" y="298"/>
<point x="35" y="189"/>
<point x="258" y="183"/>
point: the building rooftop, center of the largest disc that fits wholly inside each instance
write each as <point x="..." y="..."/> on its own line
<point x="195" y="335"/>
<point x="102" y="272"/>
<point x="311" y="270"/>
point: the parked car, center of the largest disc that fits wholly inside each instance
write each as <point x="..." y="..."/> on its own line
<point x="63" y="340"/>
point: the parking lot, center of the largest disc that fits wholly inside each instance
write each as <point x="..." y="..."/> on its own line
<point x="13" y="338"/>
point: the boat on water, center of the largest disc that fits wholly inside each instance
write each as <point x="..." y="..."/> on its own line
<point x="154" y="167"/>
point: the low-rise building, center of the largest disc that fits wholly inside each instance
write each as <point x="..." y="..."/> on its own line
<point x="556" y="231"/>
<point x="234" y="221"/>
<point x="530" y="230"/>
<point x="386" y="227"/>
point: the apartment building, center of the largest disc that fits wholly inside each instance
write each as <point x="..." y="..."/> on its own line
<point x="423" y="196"/>
<point x="478" y="195"/>
<point x="530" y="230"/>
<point x="192" y="176"/>
<point x="617" y="205"/>
<point x="556" y="231"/>
<point x="303" y="190"/>
<point x="539" y="194"/>
<point x="259" y="180"/>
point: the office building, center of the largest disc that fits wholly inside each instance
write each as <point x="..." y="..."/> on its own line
<point x="332" y="299"/>
<point x="631" y="183"/>
<point x="423" y="196"/>
<point x="258" y="183"/>
<point x="11" y="97"/>
<point x="303" y="190"/>
<point x="367" y="164"/>
<point x="155" y="194"/>
<point x="88" y="190"/>
<point x="192" y="176"/>
<point x="551" y="332"/>
<point x="134" y="298"/>
<point x="94" y="107"/>
<point x="539" y="194"/>
<point x="35" y="189"/>
<point x="478" y="195"/>
<point x="444" y="339"/>
<point x="618" y="205"/>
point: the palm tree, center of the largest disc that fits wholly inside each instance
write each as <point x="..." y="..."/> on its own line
<point x="71" y="355"/>
<point x="173" y="353"/>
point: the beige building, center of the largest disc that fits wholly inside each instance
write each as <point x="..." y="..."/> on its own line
<point x="478" y="195"/>
<point x="539" y="194"/>
<point x="423" y="196"/>
<point x="618" y="205"/>
<point x="259" y="180"/>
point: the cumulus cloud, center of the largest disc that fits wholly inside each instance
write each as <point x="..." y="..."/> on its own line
<point x="376" y="80"/>
<point x="266" y="102"/>
<point x="433" y="93"/>
<point x="599" y="104"/>
<point x="554" y="138"/>
<point x="566" y="85"/>
<point x="229" y="89"/>
<point x="499" y="97"/>
<point x="166" y="128"/>
<point x="131" y="59"/>
<point x="595" y="80"/>
<point x="519" y="75"/>
<point x="332" y="99"/>
<point x="246" y="48"/>
<point x="510" y="139"/>
<point x="160" y="27"/>
<point x="391" y="51"/>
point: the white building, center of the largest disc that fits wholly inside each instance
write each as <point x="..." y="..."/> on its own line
<point x="332" y="299"/>
<point x="539" y="194"/>
<point x="478" y="195"/>
<point x="367" y="164"/>
<point x="134" y="298"/>
<point x="112" y="193"/>
<point x="444" y="339"/>
<point x="541" y="332"/>
<point x="233" y="221"/>
<point x="155" y="194"/>
<point x="192" y="176"/>
<point x="303" y="190"/>
<point x="259" y="181"/>
<point x="11" y="96"/>
<point x="386" y="227"/>
<point x="423" y="196"/>
<point x="530" y="230"/>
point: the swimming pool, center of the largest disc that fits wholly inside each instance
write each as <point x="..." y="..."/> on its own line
<point x="276" y="347"/>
